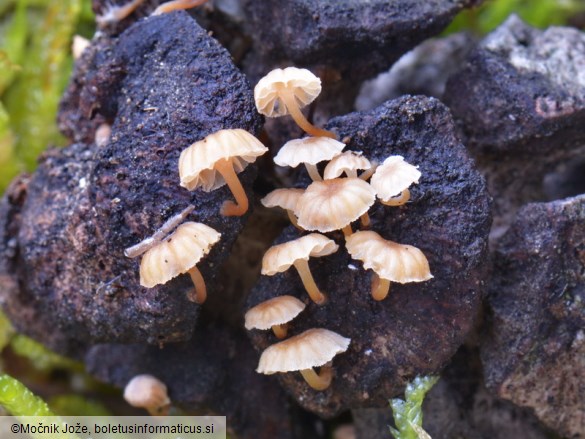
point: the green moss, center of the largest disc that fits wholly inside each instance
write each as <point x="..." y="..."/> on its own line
<point x="20" y="401"/>
<point x="40" y="357"/>
<point x="407" y="413"/>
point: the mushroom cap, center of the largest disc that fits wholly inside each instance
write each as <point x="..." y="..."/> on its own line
<point x="280" y="257"/>
<point x="396" y="262"/>
<point x="177" y="253"/>
<point x="313" y="348"/>
<point x="393" y="176"/>
<point x="346" y="162"/>
<point x="311" y="150"/>
<point x="284" y="198"/>
<point x="275" y="311"/>
<point x="333" y="204"/>
<point x="197" y="162"/>
<point x="146" y="391"/>
<point x="304" y="85"/>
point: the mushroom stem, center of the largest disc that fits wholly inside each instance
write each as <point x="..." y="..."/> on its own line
<point x="176" y="5"/>
<point x="313" y="172"/>
<point x="296" y="113"/>
<point x="367" y="174"/>
<point x="365" y="219"/>
<point x="229" y="208"/>
<point x="293" y="220"/>
<point x="380" y="287"/>
<point x="117" y="13"/>
<point x="279" y="330"/>
<point x="200" y="289"/>
<point x="347" y="231"/>
<point x="302" y="267"/>
<point x="159" y="411"/>
<point x="398" y="200"/>
<point x="318" y="381"/>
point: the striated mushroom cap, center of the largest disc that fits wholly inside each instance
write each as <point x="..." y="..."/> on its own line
<point x="312" y="348"/>
<point x="146" y="391"/>
<point x="276" y="311"/>
<point x="304" y="85"/>
<point x="177" y="254"/>
<point x="311" y="150"/>
<point x="396" y="262"/>
<point x="197" y="162"/>
<point x="280" y="257"/>
<point x="346" y="162"/>
<point x="333" y="204"/>
<point x="393" y="176"/>
<point x="283" y="198"/>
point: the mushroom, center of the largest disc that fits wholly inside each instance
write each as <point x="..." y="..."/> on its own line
<point x="334" y="204"/>
<point x="176" y="5"/>
<point x="115" y="13"/>
<point x="274" y="313"/>
<point x="285" y="199"/>
<point x="390" y="261"/>
<point x="348" y="162"/>
<point x="148" y="392"/>
<point x="216" y="160"/>
<point x="303" y="352"/>
<point x="286" y="91"/>
<point x="78" y="45"/>
<point x="177" y="254"/>
<point x="392" y="179"/>
<point x="279" y="258"/>
<point x="310" y="151"/>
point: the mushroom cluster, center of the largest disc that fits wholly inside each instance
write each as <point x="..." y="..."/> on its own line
<point x="335" y="200"/>
<point x="207" y="164"/>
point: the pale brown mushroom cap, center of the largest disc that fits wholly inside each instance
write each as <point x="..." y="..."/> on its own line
<point x="333" y="204"/>
<point x="146" y="391"/>
<point x="394" y="176"/>
<point x="392" y="261"/>
<point x="276" y="311"/>
<point x="312" y="348"/>
<point x="197" y="162"/>
<point x="349" y="161"/>
<point x="304" y="85"/>
<point x="177" y="253"/>
<point x="280" y="257"/>
<point x="311" y="150"/>
<point x="284" y="198"/>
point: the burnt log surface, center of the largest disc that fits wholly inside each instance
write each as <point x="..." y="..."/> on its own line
<point x="337" y="34"/>
<point x="164" y="85"/>
<point x="534" y="351"/>
<point x="519" y="102"/>
<point x="419" y="326"/>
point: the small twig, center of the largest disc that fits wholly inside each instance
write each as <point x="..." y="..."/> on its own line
<point x="145" y="245"/>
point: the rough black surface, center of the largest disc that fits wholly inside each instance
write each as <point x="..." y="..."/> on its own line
<point x="164" y="85"/>
<point x="519" y="102"/>
<point x="534" y="352"/>
<point x="419" y="326"/>
<point x="213" y="373"/>
<point x="355" y="37"/>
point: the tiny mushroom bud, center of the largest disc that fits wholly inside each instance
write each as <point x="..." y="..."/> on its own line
<point x="179" y="253"/>
<point x="78" y="46"/>
<point x="389" y="260"/>
<point x="280" y="257"/>
<point x="274" y="314"/>
<point x="148" y="392"/>
<point x="216" y="160"/>
<point x="285" y="199"/>
<point x="303" y="352"/>
<point x="177" y="5"/>
<point x="310" y="151"/>
<point x="334" y="204"/>
<point x="283" y="92"/>
<point x="392" y="179"/>
<point x="115" y="13"/>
